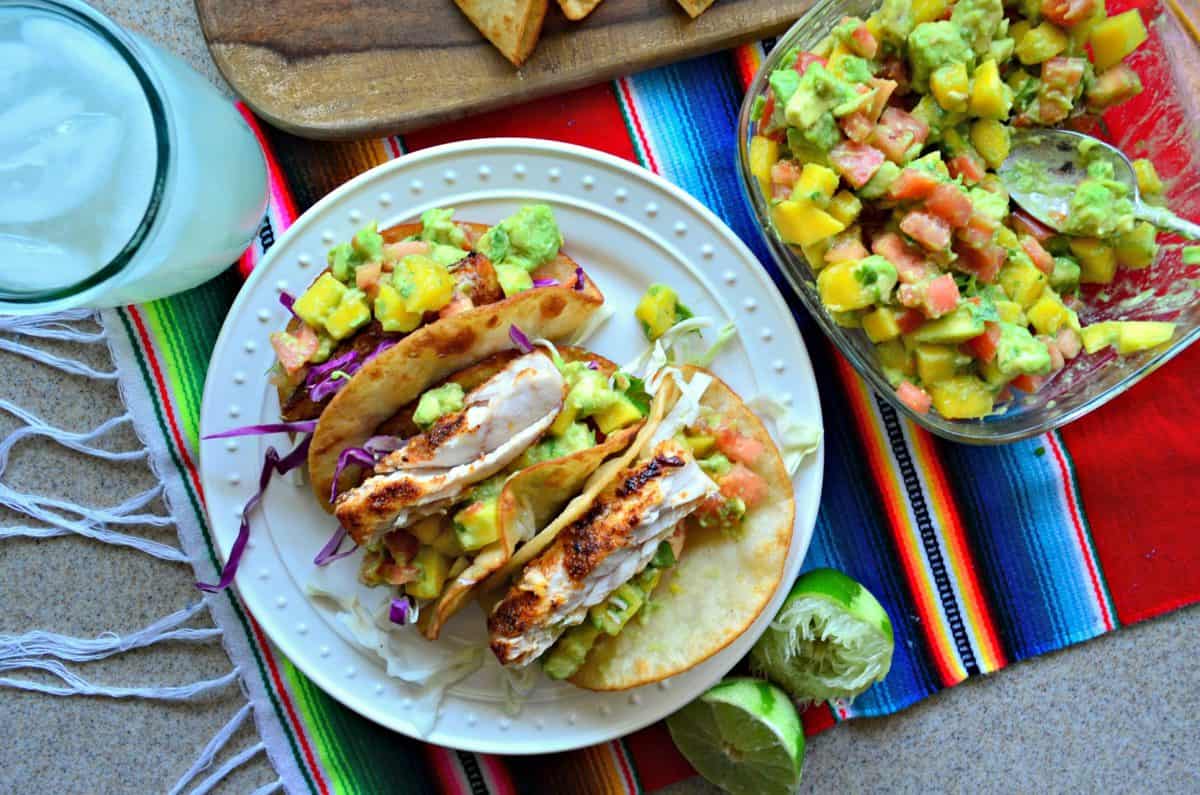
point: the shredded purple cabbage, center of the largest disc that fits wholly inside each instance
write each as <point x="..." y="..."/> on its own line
<point x="329" y="553"/>
<point x="578" y="278"/>
<point x="519" y="339"/>
<point x="351" y="455"/>
<point x="287" y="299"/>
<point x="547" y="282"/>
<point x="272" y="463"/>
<point x="383" y="444"/>
<point x="318" y="372"/>
<point x="592" y="365"/>
<point x="304" y="426"/>
<point x="400" y="610"/>
<point x="325" y="380"/>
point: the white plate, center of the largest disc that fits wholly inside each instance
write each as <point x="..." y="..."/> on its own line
<point x="628" y="228"/>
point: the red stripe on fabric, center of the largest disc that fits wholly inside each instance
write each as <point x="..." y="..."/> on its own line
<point x="284" y="696"/>
<point x="496" y="775"/>
<point x="623" y="768"/>
<point x="746" y="64"/>
<point x="272" y="163"/>
<point x="1136" y="460"/>
<point x="589" y="117"/>
<point x="447" y="771"/>
<point x="817" y="718"/>
<point x="658" y="761"/>
<point x="1080" y="537"/>
<point x="637" y="123"/>
<point x="177" y="437"/>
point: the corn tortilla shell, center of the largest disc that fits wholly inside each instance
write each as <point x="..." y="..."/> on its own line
<point x="717" y="589"/>
<point x="400" y="374"/>
<point x="512" y="26"/>
<point x="576" y="10"/>
<point x="695" y="7"/>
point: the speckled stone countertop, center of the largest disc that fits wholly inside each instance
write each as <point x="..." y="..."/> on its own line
<point x="1120" y="713"/>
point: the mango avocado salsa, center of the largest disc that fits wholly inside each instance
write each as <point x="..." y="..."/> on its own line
<point x="876" y="152"/>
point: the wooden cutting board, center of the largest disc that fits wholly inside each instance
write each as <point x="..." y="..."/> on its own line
<point x="355" y="68"/>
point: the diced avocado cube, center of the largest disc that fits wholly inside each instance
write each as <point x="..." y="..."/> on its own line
<point x="432" y="569"/>
<point x="715" y="465"/>
<point x="368" y="243"/>
<point x="959" y="326"/>
<point x="936" y="362"/>
<point x="1017" y="352"/>
<point x="664" y="558"/>
<point x="701" y="445"/>
<point x="878" y="185"/>
<point x="1065" y="276"/>
<point x="390" y="311"/>
<point x="513" y="279"/>
<point x="620" y="414"/>
<point x="351" y="314"/>
<point x="649" y="578"/>
<point x="612" y="614"/>
<point x="427" y="529"/>
<point x="446" y="255"/>
<point x="571" y="650"/>
<point x="325" y="345"/>
<point x="478" y="524"/>
<point x="319" y="300"/>
<point x="447" y="543"/>
<point x="342" y="262"/>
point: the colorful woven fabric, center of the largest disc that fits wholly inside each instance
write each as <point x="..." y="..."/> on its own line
<point x="981" y="556"/>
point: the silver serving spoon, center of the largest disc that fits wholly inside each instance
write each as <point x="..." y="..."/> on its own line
<point x="1045" y="165"/>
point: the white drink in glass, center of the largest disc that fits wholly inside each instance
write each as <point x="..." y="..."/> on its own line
<point x="124" y="176"/>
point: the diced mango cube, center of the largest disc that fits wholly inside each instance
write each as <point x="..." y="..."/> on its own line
<point x="990" y="97"/>
<point x="1011" y="312"/>
<point x="961" y="397"/>
<point x="935" y="362"/>
<point x="1048" y="314"/>
<point x="840" y="289"/>
<point x="1098" y="335"/>
<point x="390" y="311"/>
<point x="881" y="324"/>
<point x="1017" y="30"/>
<point x="351" y="314"/>
<point x="1137" y="247"/>
<point x="817" y="184"/>
<point x="1097" y="260"/>
<point x="1114" y="38"/>
<point x="992" y="140"/>
<point x="815" y="253"/>
<point x="929" y="10"/>
<point x="802" y="223"/>
<point x="951" y="86"/>
<point x="1141" y="335"/>
<point x="1007" y="238"/>
<point x="764" y="153"/>
<point x="425" y="285"/>
<point x="432" y="569"/>
<point x="894" y="356"/>
<point x="845" y="207"/>
<point x="319" y="300"/>
<point x="1022" y="281"/>
<point x="1041" y="44"/>
<point x="1149" y="183"/>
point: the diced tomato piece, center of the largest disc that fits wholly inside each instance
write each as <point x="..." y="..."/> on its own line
<point x="366" y="277"/>
<point x="1066" y="13"/>
<point x="941" y="296"/>
<point x="846" y="250"/>
<point x="984" y="346"/>
<point x="909" y="261"/>
<point x="913" y="183"/>
<point x="910" y="295"/>
<point x="983" y="261"/>
<point x="930" y="231"/>
<point x="1057" y="361"/>
<point x="403" y="248"/>
<point x="979" y="230"/>
<point x="883" y="92"/>
<point x="1059" y="86"/>
<point x="295" y="349"/>
<point x="785" y="172"/>
<point x="395" y="574"/>
<point x="1112" y="86"/>
<point x="968" y="166"/>
<point x="895" y="70"/>
<point x="1040" y="256"/>
<point x="768" y="112"/>
<point x="910" y="320"/>
<point x="807" y="59"/>
<point x="856" y="162"/>
<point x="738" y="446"/>
<point x="1068" y="342"/>
<point x="914" y="397"/>
<point x="857" y="126"/>
<point x="1028" y="383"/>
<point x="897" y="133"/>
<point x="743" y="482"/>
<point x="1027" y="224"/>
<point x="402" y="545"/>
<point x="895" y="117"/>
<point x="862" y="42"/>
<point x="950" y="204"/>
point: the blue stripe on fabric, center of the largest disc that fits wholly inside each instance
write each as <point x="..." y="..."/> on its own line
<point x="689" y="112"/>
<point x="1025" y="543"/>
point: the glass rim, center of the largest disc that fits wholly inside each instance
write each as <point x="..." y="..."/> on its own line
<point x="96" y="23"/>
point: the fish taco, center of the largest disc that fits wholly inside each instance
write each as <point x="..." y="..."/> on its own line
<point x="620" y="589"/>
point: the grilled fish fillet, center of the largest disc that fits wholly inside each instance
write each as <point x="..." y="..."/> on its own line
<point x="501" y="417"/>
<point x="595" y="555"/>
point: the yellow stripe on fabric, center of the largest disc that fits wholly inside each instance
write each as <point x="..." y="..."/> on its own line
<point x="179" y="370"/>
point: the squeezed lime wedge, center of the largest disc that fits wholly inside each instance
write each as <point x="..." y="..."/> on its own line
<point x="743" y="735"/>
<point x="830" y="640"/>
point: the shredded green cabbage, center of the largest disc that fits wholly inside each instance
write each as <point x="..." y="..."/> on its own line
<point x="797" y="440"/>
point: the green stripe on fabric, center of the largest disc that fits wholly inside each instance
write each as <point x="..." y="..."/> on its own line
<point x="143" y="367"/>
<point x="1087" y="528"/>
<point x="370" y="758"/>
<point x="630" y="130"/>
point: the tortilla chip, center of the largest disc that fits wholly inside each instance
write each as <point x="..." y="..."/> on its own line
<point x="400" y="374"/>
<point x="529" y="500"/>
<point x="576" y="10"/>
<point x="511" y="25"/>
<point x="717" y="589"/>
<point x="695" y="7"/>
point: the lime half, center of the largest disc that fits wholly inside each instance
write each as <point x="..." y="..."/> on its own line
<point x="830" y="640"/>
<point x="744" y="736"/>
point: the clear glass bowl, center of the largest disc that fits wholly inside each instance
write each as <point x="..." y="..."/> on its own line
<point x="1161" y="124"/>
